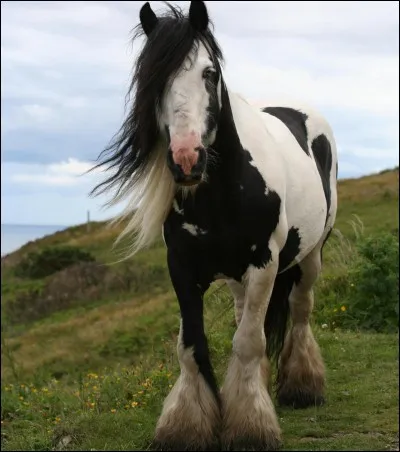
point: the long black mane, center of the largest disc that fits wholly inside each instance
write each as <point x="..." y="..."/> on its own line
<point x="162" y="55"/>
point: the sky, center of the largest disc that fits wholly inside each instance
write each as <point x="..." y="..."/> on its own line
<point x="66" y="67"/>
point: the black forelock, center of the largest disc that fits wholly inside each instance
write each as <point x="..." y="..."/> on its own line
<point x="162" y="55"/>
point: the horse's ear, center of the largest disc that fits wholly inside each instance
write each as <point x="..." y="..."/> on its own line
<point x="148" y="19"/>
<point x="198" y="15"/>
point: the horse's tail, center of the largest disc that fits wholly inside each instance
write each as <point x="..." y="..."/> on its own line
<point x="277" y="318"/>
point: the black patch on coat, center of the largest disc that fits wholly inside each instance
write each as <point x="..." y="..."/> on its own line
<point x="325" y="240"/>
<point x="290" y="250"/>
<point x="295" y="121"/>
<point x="277" y="318"/>
<point x="190" y="298"/>
<point x="213" y="106"/>
<point x="321" y="149"/>
<point x="278" y="312"/>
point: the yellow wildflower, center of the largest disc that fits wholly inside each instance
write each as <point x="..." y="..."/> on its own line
<point x="45" y="390"/>
<point x="343" y="308"/>
<point x="34" y="390"/>
<point x="95" y="388"/>
<point x="21" y="398"/>
<point x="113" y="410"/>
<point x="133" y="404"/>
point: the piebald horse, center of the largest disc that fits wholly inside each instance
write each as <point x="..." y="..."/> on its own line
<point x="239" y="193"/>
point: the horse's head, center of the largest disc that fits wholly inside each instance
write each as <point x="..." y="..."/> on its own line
<point x="181" y="63"/>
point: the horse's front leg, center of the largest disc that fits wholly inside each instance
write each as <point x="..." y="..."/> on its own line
<point x="249" y="418"/>
<point x="190" y="419"/>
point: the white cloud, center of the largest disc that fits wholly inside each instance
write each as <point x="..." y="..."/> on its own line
<point x="66" y="173"/>
<point x="37" y="112"/>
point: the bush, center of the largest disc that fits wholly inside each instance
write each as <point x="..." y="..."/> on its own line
<point x="79" y="284"/>
<point x="39" y="264"/>
<point x="374" y="292"/>
<point x="367" y="296"/>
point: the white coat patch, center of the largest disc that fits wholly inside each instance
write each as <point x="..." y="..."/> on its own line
<point x="193" y="229"/>
<point x="176" y="208"/>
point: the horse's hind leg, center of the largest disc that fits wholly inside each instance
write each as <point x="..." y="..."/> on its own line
<point x="301" y="375"/>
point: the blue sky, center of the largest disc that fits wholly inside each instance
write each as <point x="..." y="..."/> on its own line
<point x="66" y="68"/>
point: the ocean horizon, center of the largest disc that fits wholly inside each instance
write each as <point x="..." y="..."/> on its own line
<point x="14" y="236"/>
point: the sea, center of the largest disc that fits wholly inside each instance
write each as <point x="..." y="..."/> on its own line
<point x="13" y="236"/>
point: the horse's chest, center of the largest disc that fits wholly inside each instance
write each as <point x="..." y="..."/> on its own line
<point x="221" y="240"/>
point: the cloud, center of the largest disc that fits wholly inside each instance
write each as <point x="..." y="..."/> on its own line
<point x="56" y="193"/>
<point x="65" y="173"/>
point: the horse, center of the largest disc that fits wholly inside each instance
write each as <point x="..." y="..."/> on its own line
<point x="239" y="193"/>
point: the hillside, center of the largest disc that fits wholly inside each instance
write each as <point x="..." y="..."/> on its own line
<point x="88" y="353"/>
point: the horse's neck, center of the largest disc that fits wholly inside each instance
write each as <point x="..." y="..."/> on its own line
<point x="227" y="144"/>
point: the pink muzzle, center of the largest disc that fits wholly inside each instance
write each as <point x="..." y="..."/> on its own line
<point x="184" y="151"/>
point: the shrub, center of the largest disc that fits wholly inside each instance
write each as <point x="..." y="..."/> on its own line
<point x="79" y="284"/>
<point x="366" y="297"/>
<point x="374" y="289"/>
<point x="39" y="264"/>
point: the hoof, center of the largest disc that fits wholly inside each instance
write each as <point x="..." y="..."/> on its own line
<point x="183" y="445"/>
<point x="250" y="443"/>
<point x="299" y="399"/>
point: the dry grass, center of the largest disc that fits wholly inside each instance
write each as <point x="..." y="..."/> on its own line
<point x="369" y="186"/>
<point x="49" y="342"/>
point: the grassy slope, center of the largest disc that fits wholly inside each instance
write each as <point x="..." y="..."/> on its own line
<point x="138" y="333"/>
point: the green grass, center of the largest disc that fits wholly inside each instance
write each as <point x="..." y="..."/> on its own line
<point x="117" y="409"/>
<point x="95" y="374"/>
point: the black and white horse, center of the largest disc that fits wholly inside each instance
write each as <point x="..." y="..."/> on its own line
<point x="240" y="194"/>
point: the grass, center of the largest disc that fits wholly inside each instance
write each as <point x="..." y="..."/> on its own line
<point x="117" y="409"/>
<point x="93" y="375"/>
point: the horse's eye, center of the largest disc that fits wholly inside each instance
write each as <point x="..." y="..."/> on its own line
<point x="208" y="73"/>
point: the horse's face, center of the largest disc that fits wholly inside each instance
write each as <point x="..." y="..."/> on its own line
<point x="189" y="115"/>
<point x="188" y="109"/>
